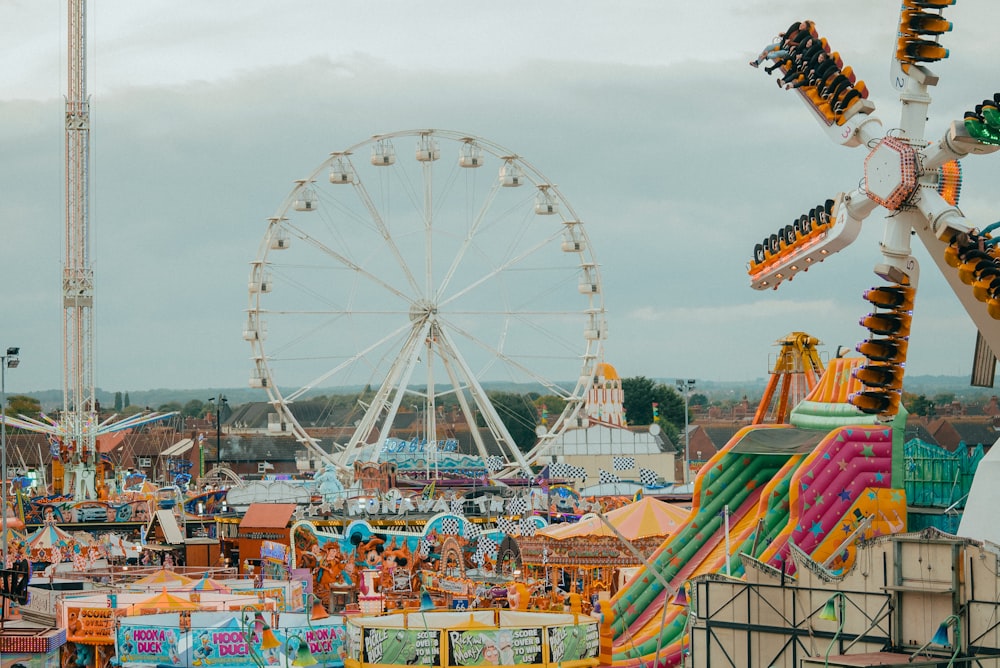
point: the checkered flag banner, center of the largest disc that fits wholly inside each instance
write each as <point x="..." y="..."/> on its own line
<point x="458" y="506"/>
<point x="424" y="548"/>
<point x="623" y="463"/>
<point x="648" y="477"/>
<point x="607" y="477"/>
<point x="517" y="505"/>
<point x="560" y="470"/>
<point x="494" y="463"/>
<point x="472" y="530"/>
<point x="486" y="548"/>
<point x="567" y="471"/>
<point x="449" y="525"/>
<point x="528" y="526"/>
<point x="506" y="525"/>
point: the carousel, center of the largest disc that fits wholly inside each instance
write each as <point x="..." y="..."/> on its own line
<point x="590" y="556"/>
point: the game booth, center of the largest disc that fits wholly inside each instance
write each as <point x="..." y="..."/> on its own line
<point x="494" y="637"/>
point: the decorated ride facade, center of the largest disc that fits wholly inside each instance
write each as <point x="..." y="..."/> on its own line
<point x="448" y="554"/>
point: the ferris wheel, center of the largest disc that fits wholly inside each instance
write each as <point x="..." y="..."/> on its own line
<point x="417" y="270"/>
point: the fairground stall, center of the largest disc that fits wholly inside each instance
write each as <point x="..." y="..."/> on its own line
<point x="473" y="638"/>
<point x="245" y="638"/>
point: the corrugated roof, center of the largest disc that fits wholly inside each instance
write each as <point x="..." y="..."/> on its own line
<point x="267" y="515"/>
<point x="178" y="448"/>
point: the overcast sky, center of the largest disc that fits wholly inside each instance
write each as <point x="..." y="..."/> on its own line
<point x="676" y="154"/>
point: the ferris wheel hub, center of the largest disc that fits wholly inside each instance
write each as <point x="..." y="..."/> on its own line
<point x="422" y="309"/>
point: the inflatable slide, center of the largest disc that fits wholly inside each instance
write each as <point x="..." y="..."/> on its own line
<point x="818" y="483"/>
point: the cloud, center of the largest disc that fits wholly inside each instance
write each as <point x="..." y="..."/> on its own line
<point x="676" y="155"/>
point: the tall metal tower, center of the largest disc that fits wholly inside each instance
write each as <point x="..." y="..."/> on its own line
<point x="79" y="408"/>
<point x="78" y="428"/>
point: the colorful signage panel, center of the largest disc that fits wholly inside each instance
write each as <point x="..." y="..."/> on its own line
<point x="401" y="646"/>
<point x="225" y="644"/>
<point x="492" y="647"/>
<point x="574" y="642"/>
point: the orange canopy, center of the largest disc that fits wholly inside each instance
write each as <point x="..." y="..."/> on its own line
<point x="646" y="517"/>
<point x="167" y="601"/>
<point x="164" y="577"/>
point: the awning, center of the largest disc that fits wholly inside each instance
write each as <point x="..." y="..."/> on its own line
<point x="268" y="515"/>
<point x="168" y="523"/>
<point x="178" y="448"/>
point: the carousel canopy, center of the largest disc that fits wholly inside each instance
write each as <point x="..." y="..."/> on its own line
<point x="643" y="518"/>
<point x="208" y="584"/>
<point x="49" y="536"/>
<point x="167" y="601"/>
<point x="165" y="577"/>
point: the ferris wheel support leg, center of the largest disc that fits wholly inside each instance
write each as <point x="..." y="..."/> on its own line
<point x="467" y="413"/>
<point x="493" y="421"/>
<point x="397" y="377"/>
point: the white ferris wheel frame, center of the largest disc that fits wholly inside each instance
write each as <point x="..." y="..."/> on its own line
<point x="429" y="333"/>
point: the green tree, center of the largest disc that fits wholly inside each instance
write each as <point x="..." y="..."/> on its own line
<point x="943" y="398"/>
<point x="549" y="407"/>
<point x="169" y="407"/>
<point x="672" y="434"/>
<point x="127" y="402"/>
<point x="518" y="414"/>
<point x="697" y="399"/>
<point x="918" y="404"/>
<point x="20" y="404"/>
<point x="640" y="395"/>
<point x="118" y="402"/>
<point x="193" y="408"/>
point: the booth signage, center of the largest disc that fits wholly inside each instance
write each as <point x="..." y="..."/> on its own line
<point x="90" y="625"/>
<point x="490" y="647"/>
<point x="401" y="646"/>
<point x="574" y="642"/>
<point x="224" y="645"/>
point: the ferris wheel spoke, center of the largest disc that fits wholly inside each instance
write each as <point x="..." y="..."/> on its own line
<point x="512" y="362"/>
<point x="530" y="320"/>
<point x="469" y="236"/>
<point x="496" y="271"/>
<point x="350" y="264"/>
<point x="347" y="362"/>
<point x="383" y="230"/>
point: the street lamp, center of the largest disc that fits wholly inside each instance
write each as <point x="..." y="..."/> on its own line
<point x="685" y="387"/>
<point x="8" y="361"/>
<point x="218" y="401"/>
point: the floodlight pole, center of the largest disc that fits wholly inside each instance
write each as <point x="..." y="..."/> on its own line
<point x="10" y="360"/>
<point x="218" y="401"/>
<point x="685" y="388"/>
